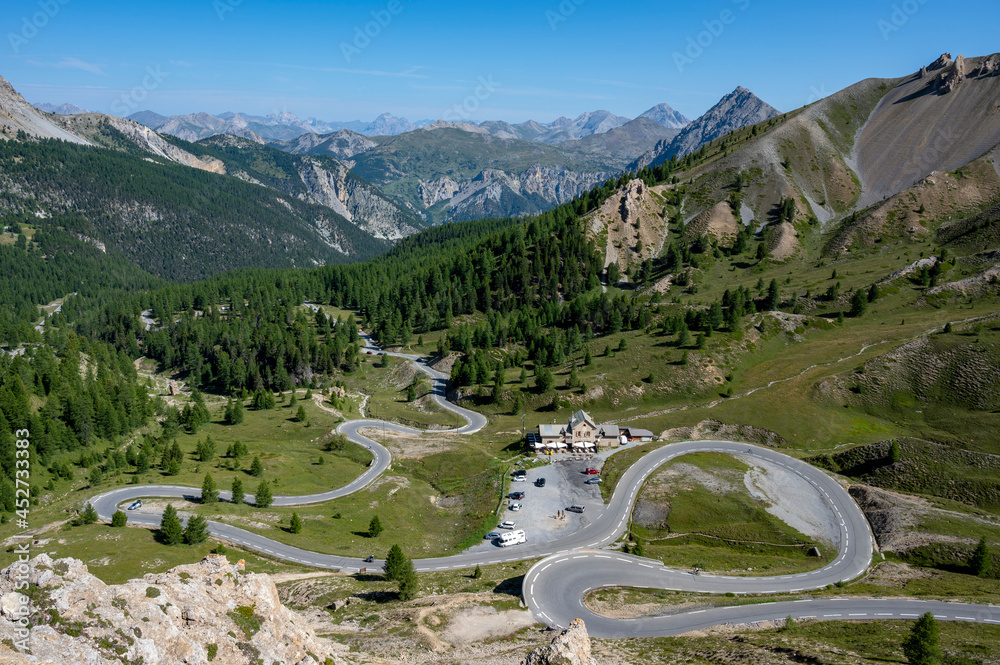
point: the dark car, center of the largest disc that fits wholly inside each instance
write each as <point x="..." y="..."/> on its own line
<point x="520" y="473"/>
<point x="370" y="558"/>
<point x="540" y="482"/>
<point x="517" y="496"/>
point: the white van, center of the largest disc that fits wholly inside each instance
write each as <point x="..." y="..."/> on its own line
<point x="512" y="538"/>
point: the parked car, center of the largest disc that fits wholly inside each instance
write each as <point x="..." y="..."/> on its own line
<point x="591" y="471"/>
<point x="518" y="479"/>
<point x="576" y="508"/>
<point x="540" y="482"/>
<point x="514" y="506"/>
<point x="520" y="472"/>
<point x="517" y="496"/>
<point x="506" y="524"/>
<point x="491" y="535"/>
<point x="593" y="481"/>
<point x="136" y="504"/>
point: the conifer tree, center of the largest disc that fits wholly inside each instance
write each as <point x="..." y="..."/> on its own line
<point x="982" y="559"/>
<point x="237" y="491"/>
<point x="89" y="515"/>
<point x="209" y="493"/>
<point x="375" y="527"/>
<point x="263" y="497"/>
<point x="171" y="531"/>
<point x="921" y="646"/>
<point x="196" y="530"/>
<point x="408" y="581"/>
<point x="394" y="562"/>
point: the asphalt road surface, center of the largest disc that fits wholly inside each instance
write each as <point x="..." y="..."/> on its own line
<point x="555" y="586"/>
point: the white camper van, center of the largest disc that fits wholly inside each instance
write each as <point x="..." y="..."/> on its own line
<point x="512" y="538"/>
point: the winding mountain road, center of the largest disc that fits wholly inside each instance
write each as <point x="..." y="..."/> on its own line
<point x="554" y="588"/>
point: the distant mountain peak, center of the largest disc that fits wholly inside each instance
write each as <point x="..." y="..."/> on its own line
<point x="737" y="109"/>
<point x="62" y="109"/>
<point x="665" y="115"/>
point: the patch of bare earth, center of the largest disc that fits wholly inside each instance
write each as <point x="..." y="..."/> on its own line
<point x="414" y="446"/>
<point x="713" y="429"/>
<point x="782" y="241"/>
<point x="896" y="575"/>
<point x="895" y="517"/>
<point x="718" y="222"/>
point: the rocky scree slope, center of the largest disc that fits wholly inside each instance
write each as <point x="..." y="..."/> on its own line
<point x="18" y="115"/>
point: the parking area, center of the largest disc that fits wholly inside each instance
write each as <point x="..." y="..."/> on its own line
<point x="565" y="485"/>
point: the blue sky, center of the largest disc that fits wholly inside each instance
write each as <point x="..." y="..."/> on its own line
<point x="512" y="61"/>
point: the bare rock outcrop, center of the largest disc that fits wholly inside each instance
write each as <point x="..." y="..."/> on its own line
<point x="570" y="647"/>
<point x="953" y="77"/>
<point x="943" y="61"/>
<point x="989" y="66"/>
<point x="186" y="615"/>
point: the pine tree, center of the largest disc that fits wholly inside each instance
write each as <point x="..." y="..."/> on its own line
<point x="95" y="476"/>
<point x="196" y="530"/>
<point x="296" y="524"/>
<point x="263" y="497"/>
<point x="518" y="405"/>
<point x="894" y="454"/>
<point x="874" y="293"/>
<point x="205" y="450"/>
<point x="256" y="467"/>
<point x="209" y="493"/>
<point x="773" y="298"/>
<point x="237" y="490"/>
<point x="683" y="336"/>
<point x="173" y="467"/>
<point x="119" y="518"/>
<point x="982" y="559"/>
<point x="921" y="646"/>
<point x="411" y="393"/>
<point x="408" y="581"/>
<point x="859" y="303"/>
<point x="375" y="527"/>
<point x="477" y="573"/>
<point x="394" y="562"/>
<point x="171" y="531"/>
<point x="89" y="515"/>
<point x="300" y="415"/>
<point x="586" y="357"/>
<point x="234" y="412"/>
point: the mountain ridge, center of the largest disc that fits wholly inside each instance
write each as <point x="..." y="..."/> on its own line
<point x="733" y="111"/>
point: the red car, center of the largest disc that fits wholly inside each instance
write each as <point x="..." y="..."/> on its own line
<point x="591" y="471"/>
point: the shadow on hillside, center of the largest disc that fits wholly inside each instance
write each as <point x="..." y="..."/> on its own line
<point x="511" y="586"/>
<point x="378" y="596"/>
